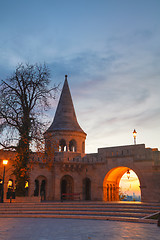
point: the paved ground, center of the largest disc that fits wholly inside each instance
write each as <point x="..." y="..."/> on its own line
<point x="69" y="229"/>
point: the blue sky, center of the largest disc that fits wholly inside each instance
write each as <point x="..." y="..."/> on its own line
<point x="110" y="50"/>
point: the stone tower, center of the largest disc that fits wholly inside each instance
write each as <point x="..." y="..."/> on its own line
<point x="65" y="137"/>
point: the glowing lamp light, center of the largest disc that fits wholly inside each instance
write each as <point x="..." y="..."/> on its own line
<point x="128" y="174"/>
<point x="5" y="162"/>
<point x="134" y="135"/>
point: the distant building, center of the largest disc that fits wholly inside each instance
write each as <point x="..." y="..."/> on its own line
<point x="65" y="171"/>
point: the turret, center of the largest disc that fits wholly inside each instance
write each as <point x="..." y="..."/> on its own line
<point x="65" y="134"/>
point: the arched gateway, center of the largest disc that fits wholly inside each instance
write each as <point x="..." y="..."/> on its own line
<point x="111" y="183"/>
<point x="65" y="168"/>
<point x="67" y="185"/>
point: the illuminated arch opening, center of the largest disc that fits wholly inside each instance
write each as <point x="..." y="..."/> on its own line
<point x="129" y="187"/>
<point x="112" y="181"/>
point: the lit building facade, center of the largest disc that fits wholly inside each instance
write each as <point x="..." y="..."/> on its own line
<point x="64" y="171"/>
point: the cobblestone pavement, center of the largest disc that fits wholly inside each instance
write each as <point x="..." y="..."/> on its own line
<point x="69" y="229"/>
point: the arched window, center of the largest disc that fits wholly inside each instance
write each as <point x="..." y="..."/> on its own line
<point x="62" y="146"/>
<point x="73" y="146"/>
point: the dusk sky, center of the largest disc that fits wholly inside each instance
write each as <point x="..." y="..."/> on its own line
<point x="110" y="50"/>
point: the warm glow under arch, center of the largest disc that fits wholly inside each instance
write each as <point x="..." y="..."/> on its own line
<point x="111" y="183"/>
<point x="129" y="187"/>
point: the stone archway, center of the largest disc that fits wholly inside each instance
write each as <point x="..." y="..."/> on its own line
<point x="40" y="187"/>
<point x="67" y="185"/>
<point x="111" y="183"/>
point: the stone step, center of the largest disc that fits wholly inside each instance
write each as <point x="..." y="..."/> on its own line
<point x="47" y="209"/>
<point x="89" y="210"/>
<point x="81" y="203"/>
<point x="135" y="207"/>
<point x="76" y="213"/>
<point x="92" y="217"/>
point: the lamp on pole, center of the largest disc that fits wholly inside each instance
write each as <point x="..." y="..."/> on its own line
<point x="128" y="174"/>
<point x="134" y="136"/>
<point x="5" y="162"/>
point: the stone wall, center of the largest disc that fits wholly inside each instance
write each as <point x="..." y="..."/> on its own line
<point x="102" y="168"/>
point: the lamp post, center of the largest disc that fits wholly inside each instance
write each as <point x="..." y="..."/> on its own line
<point x="134" y="136"/>
<point x="128" y="174"/>
<point x="4" y="163"/>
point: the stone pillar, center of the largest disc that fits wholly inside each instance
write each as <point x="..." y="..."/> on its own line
<point x="57" y="195"/>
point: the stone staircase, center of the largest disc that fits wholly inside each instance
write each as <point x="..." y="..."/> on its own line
<point x="119" y="211"/>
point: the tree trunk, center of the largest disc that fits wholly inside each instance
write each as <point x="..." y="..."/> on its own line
<point x="21" y="166"/>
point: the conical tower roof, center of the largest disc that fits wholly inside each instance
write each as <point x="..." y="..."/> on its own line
<point x="65" y="117"/>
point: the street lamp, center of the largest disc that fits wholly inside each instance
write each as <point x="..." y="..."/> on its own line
<point x="128" y="174"/>
<point x="5" y="162"/>
<point x="134" y="136"/>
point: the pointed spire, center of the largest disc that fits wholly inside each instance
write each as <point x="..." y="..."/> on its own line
<point x="65" y="117"/>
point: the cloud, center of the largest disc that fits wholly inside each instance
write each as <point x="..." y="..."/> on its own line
<point x="113" y="71"/>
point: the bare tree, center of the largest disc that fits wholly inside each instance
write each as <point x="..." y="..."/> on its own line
<point x="24" y="98"/>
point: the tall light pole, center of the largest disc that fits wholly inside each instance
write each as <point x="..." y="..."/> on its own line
<point x="134" y="136"/>
<point x="4" y="163"/>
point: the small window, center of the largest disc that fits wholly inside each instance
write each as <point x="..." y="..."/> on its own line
<point x="62" y="146"/>
<point x="73" y="146"/>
